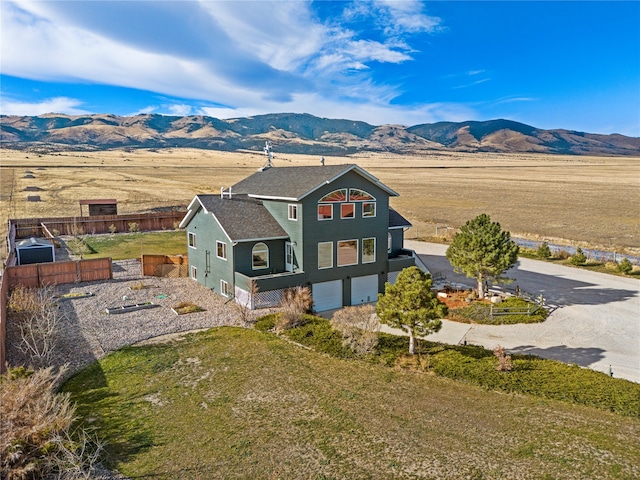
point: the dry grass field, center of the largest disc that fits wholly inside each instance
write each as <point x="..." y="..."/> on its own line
<point x="588" y="201"/>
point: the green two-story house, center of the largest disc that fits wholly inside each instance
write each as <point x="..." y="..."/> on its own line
<point x="329" y="228"/>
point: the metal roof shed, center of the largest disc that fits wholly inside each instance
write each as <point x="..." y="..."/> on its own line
<point x="35" y="250"/>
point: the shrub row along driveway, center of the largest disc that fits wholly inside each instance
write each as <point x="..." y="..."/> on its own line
<point x="596" y="324"/>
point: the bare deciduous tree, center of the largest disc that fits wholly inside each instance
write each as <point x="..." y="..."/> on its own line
<point x="38" y="320"/>
<point x="359" y="326"/>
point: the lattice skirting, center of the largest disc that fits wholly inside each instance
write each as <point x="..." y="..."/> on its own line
<point x="392" y="277"/>
<point x="270" y="298"/>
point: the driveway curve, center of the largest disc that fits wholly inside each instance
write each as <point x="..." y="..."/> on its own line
<point x="595" y="323"/>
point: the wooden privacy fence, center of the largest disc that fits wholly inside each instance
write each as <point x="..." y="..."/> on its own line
<point x="38" y="227"/>
<point x="4" y="295"/>
<point x="40" y="274"/>
<point x="165" y="266"/>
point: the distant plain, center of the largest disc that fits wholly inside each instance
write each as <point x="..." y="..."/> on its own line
<point x="574" y="200"/>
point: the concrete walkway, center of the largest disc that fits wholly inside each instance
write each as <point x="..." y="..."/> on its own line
<point x="596" y="323"/>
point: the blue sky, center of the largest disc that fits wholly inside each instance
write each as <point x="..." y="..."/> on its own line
<point x="573" y="65"/>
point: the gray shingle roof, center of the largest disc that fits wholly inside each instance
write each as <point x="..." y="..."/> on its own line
<point x="294" y="183"/>
<point x="242" y="218"/>
<point x="397" y="221"/>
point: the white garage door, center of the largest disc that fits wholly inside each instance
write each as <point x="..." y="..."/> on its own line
<point x="364" y="289"/>
<point x="327" y="295"/>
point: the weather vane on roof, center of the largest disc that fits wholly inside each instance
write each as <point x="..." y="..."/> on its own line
<point x="268" y="152"/>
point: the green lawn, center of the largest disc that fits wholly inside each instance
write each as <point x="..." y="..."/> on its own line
<point x="236" y="403"/>
<point x="121" y="246"/>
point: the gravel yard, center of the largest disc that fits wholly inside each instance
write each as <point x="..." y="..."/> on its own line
<point x="88" y="332"/>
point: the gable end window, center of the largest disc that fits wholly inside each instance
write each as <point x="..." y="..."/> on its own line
<point x="357" y="195"/>
<point x="221" y="250"/>
<point x="192" y="239"/>
<point x="369" y="209"/>
<point x="293" y="212"/>
<point x="260" y="256"/>
<point x="347" y="210"/>
<point x="335" y="196"/>
<point x="325" y="211"/>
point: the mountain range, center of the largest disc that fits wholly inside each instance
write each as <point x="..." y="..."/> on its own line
<point x="299" y="133"/>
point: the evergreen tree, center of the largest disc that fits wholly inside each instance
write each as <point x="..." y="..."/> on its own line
<point x="481" y="250"/>
<point x="544" y="251"/>
<point x="411" y="305"/>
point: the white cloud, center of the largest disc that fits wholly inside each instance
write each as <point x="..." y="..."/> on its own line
<point x="180" y="110"/>
<point x="64" y="105"/>
<point x="244" y="60"/>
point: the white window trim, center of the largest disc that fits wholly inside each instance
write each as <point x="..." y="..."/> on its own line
<point x="194" y="272"/>
<point x="218" y="242"/>
<point x="253" y="267"/>
<point x="389" y="242"/>
<point x="354" y="211"/>
<point x="331" y="256"/>
<point x="292" y="208"/>
<point x="374" y="249"/>
<point x="224" y="288"/>
<point x="372" y="199"/>
<point x="330" y="205"/>
<point x="375" y="209"/>
<point x="191" y="242"/>
<point x="357" y="252"/>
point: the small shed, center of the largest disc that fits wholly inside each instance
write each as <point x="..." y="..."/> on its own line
<point x="35" y="250"/>
<point x="100" y="206"/>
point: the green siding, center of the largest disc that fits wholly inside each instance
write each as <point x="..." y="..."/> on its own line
<point x="316" y="231"/>
<point x="243" y="258"/>
<point x="397" y="241"/>
<point x="207" y="231"/>
<point x="280" y="211"/>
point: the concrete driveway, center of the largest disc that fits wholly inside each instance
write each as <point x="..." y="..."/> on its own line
<point x="596" y="322"/>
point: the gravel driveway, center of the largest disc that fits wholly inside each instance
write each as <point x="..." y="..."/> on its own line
<point x="89" y="332"/>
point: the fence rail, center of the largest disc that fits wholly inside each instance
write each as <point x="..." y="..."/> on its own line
<point x="36" y="227"/>
<point x="58" y="273"/>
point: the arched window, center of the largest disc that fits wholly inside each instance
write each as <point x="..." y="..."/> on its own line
<point x="260" y="256"/>
<point x="357" y="195"/>
<point x="335" y="196"/>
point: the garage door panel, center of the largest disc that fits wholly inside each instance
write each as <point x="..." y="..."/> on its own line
<point x="364" y="289"/>
<point x="327" y="295"/>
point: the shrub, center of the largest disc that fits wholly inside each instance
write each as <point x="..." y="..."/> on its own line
<point x="359" y="327"/>
<point x="625" y="266"/>
<point x="133" y="227"/>
<point x="37" y="439"/>
<point x="543" y="251"/>
<point x="504" y="361"/>
<point x="562" y="255"/>
<point x="112" y="229"/>
<point x="296" y="302"/>
<point x="267" y="322"/>
<point x="316" y="333"/>
<point x="579" y="258"/>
